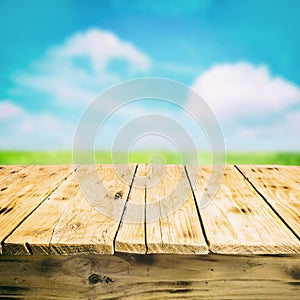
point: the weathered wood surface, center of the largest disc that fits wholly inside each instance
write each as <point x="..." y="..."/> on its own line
<point x="131" y="234"/>
<point x="8" y="173"/>
<point x="237" y="220"/>
<point x="66" y="223"/>
<point x="25" y="190"/>
<point x="38" y="229"/>
<point x="158" y="276"/>
<point x="43" y="210"/>
<point x="148" y="227"/>
<point x="280" y="186"/>
<point x="173" y="225"/>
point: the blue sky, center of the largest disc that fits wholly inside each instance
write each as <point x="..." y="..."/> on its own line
<point x="242" y="57"/>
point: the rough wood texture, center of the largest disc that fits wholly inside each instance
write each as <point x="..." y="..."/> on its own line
<point x="280" y="186"/>
<point x="238" y="220"/>
<point x="8" y="173"/>
<point x="25" y="191"/>
<point x="37" y="231"/>
<point x="173" y="224"/>
<point x="149" y="277"/>
<point x="131" y="234"/>
<point x="67" y="223"/>
<point x="43" y="211"/>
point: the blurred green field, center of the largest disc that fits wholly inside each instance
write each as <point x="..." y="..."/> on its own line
<point x="61" y="157"/>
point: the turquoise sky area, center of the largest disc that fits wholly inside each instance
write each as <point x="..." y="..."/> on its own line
<point x="241" y="57"/>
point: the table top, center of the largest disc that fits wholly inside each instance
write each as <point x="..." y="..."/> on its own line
<point x="174" y="209"/>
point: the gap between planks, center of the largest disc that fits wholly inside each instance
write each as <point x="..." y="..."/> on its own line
<point x="144" y="224"/>
<point x="237" y="219"/>
<point x="68" y="224"/>
<point x="168" y="222"/>
<point x="267" y="201"/>
<point x="26" y="245"/>
<point x="124" y="208"/>
<point x="198" y="209"/>
<point x="20" y="175"/>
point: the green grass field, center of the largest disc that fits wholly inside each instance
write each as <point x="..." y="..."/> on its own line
<point x="60" y="157"/>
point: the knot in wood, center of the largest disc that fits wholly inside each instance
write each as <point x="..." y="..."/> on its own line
<point x="117" y="196"/>
<point x="94" y="278"/>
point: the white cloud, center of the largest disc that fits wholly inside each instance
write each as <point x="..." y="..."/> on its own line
<point x="74" y="72"/>
<point x="23" y="130"/>
<point x="241" y="89"/>
<point x="9" y="110"/>
<point x="100" y="47"/>
<point x="257" y="111"/>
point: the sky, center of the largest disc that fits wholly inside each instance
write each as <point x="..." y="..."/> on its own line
<point x="241" y="57"/>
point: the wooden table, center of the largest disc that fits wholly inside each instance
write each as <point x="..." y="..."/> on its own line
<point x="56" y="244"/>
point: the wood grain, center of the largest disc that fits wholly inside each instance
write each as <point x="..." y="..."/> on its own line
<point x="36" y="232"/>
<point x="173" y="224"/>
<point x="150" y="277"/>
<point x="280" y="186"/>
<point x="12" y="175"/>
<point x="44" y="211"/>
<point x="9" y="172"/>
<point x="131" y="234"/>
<point x="76" y="226"/>
<point x="238" y="221"/>
<point x="30" y="187"/>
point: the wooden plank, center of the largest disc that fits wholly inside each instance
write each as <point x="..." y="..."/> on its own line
<point x="36" y="232"/>
<point x="150" y="277"/>
<point x="177" y="228"/>
<point x="76" y="226"/>
<point x="21" y="180"/>
<point x="8" y="177"/>
<point x="67" y="223"/>
<point x="9" y="170"/>
<point x="28" y="190"/>
<point x="131" y="233"/>
<point x="86" y="230"/>
<point x="173" y="225"/>
<point x="280" y="186"/>
<point x="238" y="221"/>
